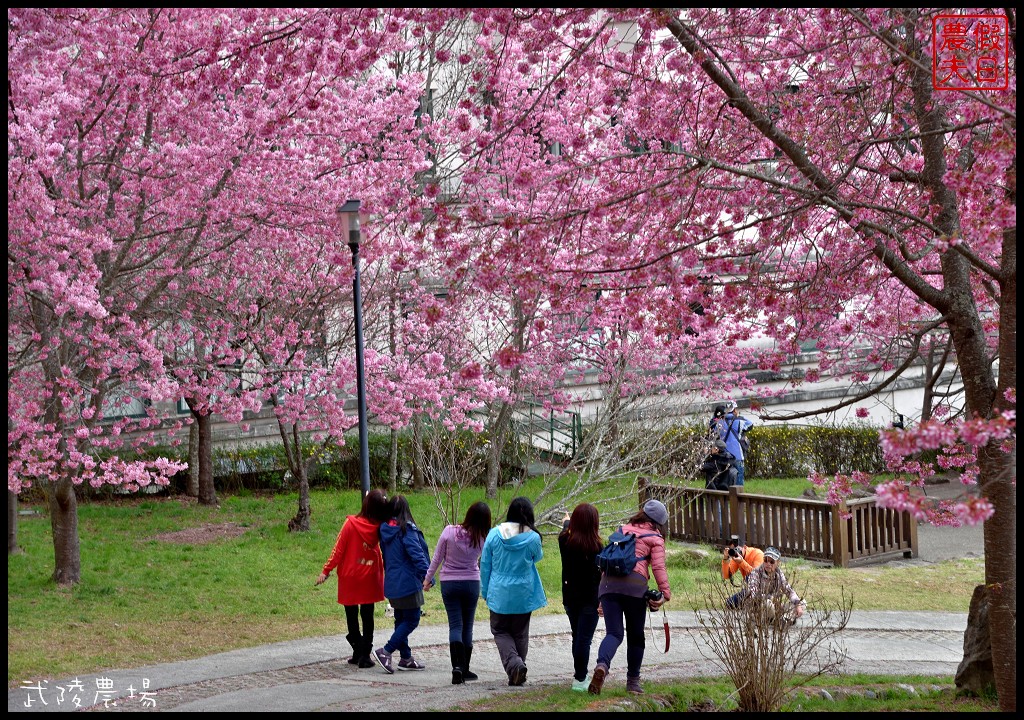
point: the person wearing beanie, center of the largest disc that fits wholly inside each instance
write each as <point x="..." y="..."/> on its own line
<point x="623" y="599"/>
<point x="767" y="583"/>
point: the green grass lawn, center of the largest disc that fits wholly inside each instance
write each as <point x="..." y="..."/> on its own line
<point x="931" y="694"/>
<point x="143" y="600"/>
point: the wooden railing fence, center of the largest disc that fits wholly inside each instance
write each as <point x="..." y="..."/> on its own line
<point x="855" y="532"/>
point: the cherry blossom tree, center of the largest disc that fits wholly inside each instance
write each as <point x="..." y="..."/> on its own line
<point x="796" y="175"/>
<point x="656" y="193"/>
<point x="913" y="199"/>
<point x="148" y="151"/>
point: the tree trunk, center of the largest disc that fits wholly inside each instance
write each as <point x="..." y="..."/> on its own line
<point x="393" y="464"/>
<point x="499" y="433"/>
<point x="192" y="486"/>
<point x="999" y="486"/>
<point x="300" y="523"/>
<point x="63" y="505"/>
<point x="12" y="523"/>
<point x="207" y="492"/>
<point x="974" y="673"/>
<point x="299" y="468"/>
<point x="996" y="476"/>
<point x="418" y="458"/>
<point x="985" y="387"/>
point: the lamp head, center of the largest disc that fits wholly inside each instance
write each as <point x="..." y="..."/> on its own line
<point x="348" y="221"/>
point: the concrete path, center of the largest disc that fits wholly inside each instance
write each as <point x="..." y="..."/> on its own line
<point x="313" y="675"/>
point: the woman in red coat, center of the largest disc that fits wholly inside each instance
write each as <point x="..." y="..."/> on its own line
<point x="357" y="556"/>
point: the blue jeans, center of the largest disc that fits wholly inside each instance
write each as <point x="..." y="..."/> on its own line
<point x="583" y="621"/>
<point x="460" y="598"/>
<point x="618" y="608"/>
<point x="739" y="473"/>
<point x="405" y="622"/>
<point x="734" y="601"/>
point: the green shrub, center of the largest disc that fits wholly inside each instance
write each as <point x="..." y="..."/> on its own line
<point x="787" y="450"/>
<point x="775" y="451"/>
<point x="249" y="467"/>
<point x="797" y="450"/>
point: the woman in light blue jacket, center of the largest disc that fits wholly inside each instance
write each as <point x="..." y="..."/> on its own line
<point x="511" y="586"/>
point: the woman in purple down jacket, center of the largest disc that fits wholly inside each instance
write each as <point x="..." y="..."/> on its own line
<point x="458" y="555"/>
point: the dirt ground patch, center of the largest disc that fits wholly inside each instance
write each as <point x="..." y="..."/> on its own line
<point x="201" y="535"/>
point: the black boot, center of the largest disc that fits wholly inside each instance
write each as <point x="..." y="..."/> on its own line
<point x="458" y="653"/>
<point x="466" y="674"/>
<point x="356" y="641"/>
<point x="364" y="661"/>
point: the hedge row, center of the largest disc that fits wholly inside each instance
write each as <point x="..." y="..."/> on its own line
<point x="797" y="450"/>
<point x="263" y="467"/>
<point x="775" y="451"/>
<point x="781" y="450"/>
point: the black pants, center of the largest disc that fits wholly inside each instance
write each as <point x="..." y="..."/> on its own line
<point x="352" y="614"/>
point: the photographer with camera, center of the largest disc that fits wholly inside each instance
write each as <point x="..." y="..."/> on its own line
<point x="719" y="467"/>
<point x="740" y="558"/>
<point x="625" y="600"/>
<point x="768" y="589"/>
<point x="731" y="428"/>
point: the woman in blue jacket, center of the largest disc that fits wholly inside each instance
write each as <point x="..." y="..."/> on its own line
<point x="730" y="429"/>
<point x="511" y="586"/>
<point x="406" y="561"/>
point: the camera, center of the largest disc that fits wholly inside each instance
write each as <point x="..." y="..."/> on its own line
<point x="733" y="552"/>
<point x="654" y="595"/>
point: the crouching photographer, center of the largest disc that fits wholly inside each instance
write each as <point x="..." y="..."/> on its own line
<point x="742" y="559"/>
<point x="767" y="587"/>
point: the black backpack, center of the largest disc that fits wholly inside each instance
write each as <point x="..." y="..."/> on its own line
<point x="618" y="557"/>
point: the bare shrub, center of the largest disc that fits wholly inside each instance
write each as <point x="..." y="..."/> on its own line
<point x="760" y="649"/>
<point x="453" y="460"/>
<point x="628" y="437"/>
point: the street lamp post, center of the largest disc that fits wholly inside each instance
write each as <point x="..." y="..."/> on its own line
<point x="348" y="219"/>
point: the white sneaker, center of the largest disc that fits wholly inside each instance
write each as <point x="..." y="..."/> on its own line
<point x="581" y="685"/>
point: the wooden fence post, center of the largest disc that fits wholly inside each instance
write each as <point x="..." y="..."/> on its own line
<point x="911" y="526"/>
<point x="736" y="526"/>
<point x="840" y="535"/>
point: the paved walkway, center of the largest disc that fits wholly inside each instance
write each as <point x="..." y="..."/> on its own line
<point x="313" y="675"/>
